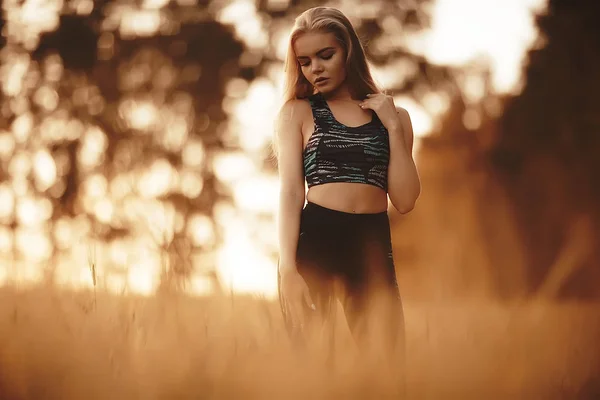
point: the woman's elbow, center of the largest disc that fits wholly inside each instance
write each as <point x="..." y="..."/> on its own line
<point x="404" y="204"/>
<point x="405" y="208"/>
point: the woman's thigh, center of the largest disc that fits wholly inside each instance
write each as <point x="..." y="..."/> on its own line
<point x="371" y="298"/>
<point x="314" y="258"/>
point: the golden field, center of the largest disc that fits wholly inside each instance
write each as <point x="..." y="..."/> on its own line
<point x="75" y="345"/>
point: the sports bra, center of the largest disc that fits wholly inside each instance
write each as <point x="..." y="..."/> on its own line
<point x="339" y="153"/>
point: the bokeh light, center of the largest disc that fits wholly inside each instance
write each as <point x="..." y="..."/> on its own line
<point x="133" y="153"/>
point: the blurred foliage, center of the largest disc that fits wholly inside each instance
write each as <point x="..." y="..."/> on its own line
<point x="125" y="98"/>
<point x="547" y="152"/>
<point x="527" y="165"/>
<point x="108" y="105"/>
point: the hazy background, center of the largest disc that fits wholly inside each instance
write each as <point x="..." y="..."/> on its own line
<point x="130" y="128"/>
<point x="135" y="149"/>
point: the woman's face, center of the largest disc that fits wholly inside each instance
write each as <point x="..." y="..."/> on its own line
<point x="322" y="60"/>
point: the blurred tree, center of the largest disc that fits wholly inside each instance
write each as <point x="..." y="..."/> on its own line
<point x="519" y="173"/>
<point x="546" y="152"/>
<point x="2" y="23"/>
<point x="126" y="98"/>
<point x="112" y="107"/>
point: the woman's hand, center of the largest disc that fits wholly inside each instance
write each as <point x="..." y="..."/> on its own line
<point x="384" y="106"/>
<point x="295" y="293"/>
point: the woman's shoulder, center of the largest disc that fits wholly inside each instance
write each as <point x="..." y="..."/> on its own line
<point x="295" y="110"/>
<point x="402" y="112"/>
<point x="404" y="117"/>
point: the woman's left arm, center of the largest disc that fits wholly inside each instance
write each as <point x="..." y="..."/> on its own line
<point x="404" y="185"/>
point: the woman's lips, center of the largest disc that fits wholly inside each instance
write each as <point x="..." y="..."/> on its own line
<point x="321" y="81"/>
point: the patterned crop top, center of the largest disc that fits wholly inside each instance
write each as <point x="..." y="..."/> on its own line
<point x="339" y="153"/>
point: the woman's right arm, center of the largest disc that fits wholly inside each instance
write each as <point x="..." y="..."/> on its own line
<point x="291" y="179"/>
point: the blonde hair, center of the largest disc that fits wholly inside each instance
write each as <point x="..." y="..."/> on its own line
<point x="327" y="20"/>
<point x="358" y="76"/>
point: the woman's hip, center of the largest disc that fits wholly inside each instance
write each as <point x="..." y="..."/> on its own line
<point x="336" y="242"/>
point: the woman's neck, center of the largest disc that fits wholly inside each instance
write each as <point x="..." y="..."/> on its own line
<point x="341" y="93"/>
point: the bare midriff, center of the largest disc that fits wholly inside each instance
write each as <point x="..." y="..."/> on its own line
<point x="357" y="198"/>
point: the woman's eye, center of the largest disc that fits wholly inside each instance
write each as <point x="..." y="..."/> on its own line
<point x="327" y="57"/>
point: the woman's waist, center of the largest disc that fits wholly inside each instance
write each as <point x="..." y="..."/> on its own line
<point x="338" y="228"/>
<point x="350" y="198"/>
<point x="326" y="222"/>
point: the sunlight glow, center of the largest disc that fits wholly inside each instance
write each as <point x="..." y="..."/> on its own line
<point x="4" y="278"/>
<point x="255" y="115"/>
<point x="199" y="285"/>
<point x="136" y="23"/>
<point x="121" y="185"/>
<point x="140" y="115"/>
<point x="27" y="19"/>
<point x="193" y="153"/>
<point x="103" y="210"/>
<point x="157" y="180"/>
<point x="6" y="243"/>
<point x="233" y="166"/>
<point x="83" y="7"/>
<point x="22" y="126"/>
<point x="242" y="267"/>
<point x="20" y="165"/>
<point x="463" y="32"/>
<point x="63" y="233"/>
<point x="13" y="72"/>
<point x="7" y="145"/>
<point x="47" y="98"/>
<point x="393" y="74"/>
<point x="243" y="16"/>
<point x="93" y="147"/>
<point x="190" y="183"/>
<point x="33" y="212"/>
<point x="176" y="134"/>
<point x="142" y="276"/>
<point x="95" y="186"/>
<point x="201" y="230"/>
<point x="421" y="120"/>
<point x="154" y="3"/>
<point x="34" y="245"/>
<point x="45" y="170"/>
<point x="7" y="201"/>
<point x="465" y="29"/>
<point x="257" y="193"/>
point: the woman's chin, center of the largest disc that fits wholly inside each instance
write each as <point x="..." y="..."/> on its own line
<point x="325" y="89"/>
<point x="328" y="87"/>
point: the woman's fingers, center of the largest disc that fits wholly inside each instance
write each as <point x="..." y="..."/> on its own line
<point x="295" y="309"/>
<point x="297" y="296"/>
<point x="307" y="298"/>
<point x="297" y="314"/>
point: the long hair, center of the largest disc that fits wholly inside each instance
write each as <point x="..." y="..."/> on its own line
<point x="358" y="75"/>
<point x="327" y="20"/>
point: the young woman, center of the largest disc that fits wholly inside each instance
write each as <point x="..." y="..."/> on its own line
<point x="338" y="132"/>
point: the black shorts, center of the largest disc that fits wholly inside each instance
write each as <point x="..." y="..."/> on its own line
<point x="348" y="251"/>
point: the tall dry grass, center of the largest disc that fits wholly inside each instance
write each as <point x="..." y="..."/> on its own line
<point x="74" y="345"/>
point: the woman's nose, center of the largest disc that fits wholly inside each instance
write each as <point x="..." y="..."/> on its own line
<point x="316" y="67"/>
